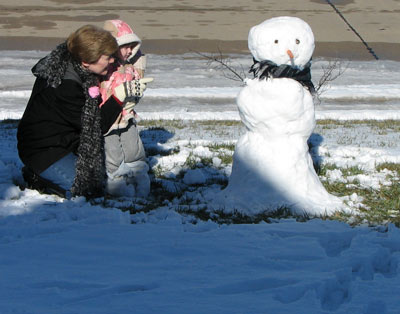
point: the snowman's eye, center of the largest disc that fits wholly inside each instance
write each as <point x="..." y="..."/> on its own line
<point x="276" y="41"/>
<point x="297" y="41"/>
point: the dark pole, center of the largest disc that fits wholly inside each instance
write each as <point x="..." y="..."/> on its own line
<point x="352" y="28"/>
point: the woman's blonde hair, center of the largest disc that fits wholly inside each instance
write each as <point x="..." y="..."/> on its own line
<point x="89" y="43"/>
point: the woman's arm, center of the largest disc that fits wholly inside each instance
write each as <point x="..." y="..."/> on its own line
<point x="71" y="100"/>
<point x="110" y="112"/>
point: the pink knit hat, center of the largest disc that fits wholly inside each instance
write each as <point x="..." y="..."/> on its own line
<point x="122" y="32"/>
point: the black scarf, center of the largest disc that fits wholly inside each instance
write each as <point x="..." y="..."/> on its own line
<point x="266" y="69"/>
<point x="89" y="168"/>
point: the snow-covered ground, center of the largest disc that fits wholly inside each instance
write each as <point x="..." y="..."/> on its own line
<point x="71" y="256"/>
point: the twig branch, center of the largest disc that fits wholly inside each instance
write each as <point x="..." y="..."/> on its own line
<point x="223" y="64"/>
<point x="331" y="72"/>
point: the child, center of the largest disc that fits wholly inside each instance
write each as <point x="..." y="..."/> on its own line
<point x="125" y="158"/>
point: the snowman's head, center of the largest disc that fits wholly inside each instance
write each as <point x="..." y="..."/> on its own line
<point x="282" y="40"/>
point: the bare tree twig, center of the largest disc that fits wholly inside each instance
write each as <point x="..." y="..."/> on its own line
<point x="331" y="72"/>
<point x="223" y="64"/>
<point x="334" y="69"/>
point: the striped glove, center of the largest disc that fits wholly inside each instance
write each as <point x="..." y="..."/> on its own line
<point x="132" y="91"/>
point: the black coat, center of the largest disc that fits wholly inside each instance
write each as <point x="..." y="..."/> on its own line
<point x="51" y="124"/>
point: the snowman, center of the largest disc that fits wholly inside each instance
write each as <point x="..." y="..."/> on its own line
<point x="272" y="167"/>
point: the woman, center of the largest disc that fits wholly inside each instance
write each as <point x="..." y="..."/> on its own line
<point x="60" y="134"/>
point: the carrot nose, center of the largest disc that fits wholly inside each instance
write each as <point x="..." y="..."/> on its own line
<point x="290" y="53"/>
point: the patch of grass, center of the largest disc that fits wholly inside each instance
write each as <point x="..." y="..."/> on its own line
<point x="336" y="188"/>
<point x="206" y="161"/>
<point x="383" y="205"/>
<point x="218" y="146"/>
<point x="225" y="158"/>
<point x="322" y="169"/>
<point x="379" y="206"/>
<point x="348" y="171"/>
<point x="162" y="124"/>
<point x="389" y="166"/>
<point x="352" y="171"/>
<point x="222" y="150"/>
<point x="157" y="171"/>
<point x="377" y="124"/>
<point x="191" y="162"/>
<point x="218" y="123"/>
<point x="221" y="217"/>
